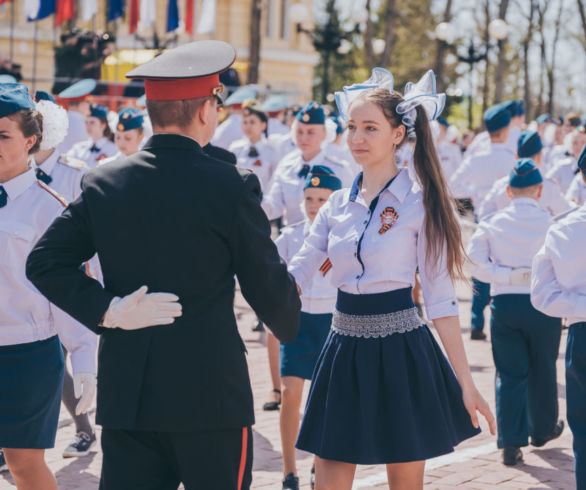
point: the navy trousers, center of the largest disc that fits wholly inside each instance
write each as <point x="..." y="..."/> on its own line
<point x="480" y="300"/>
<point x="576" y="396"/>
<point x="525" y="346"/>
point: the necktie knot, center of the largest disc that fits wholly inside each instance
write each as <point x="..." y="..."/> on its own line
<point x="94" y="148"/>
<point x="3" y="197"/>
<point x="252" y="152"/>
<point x="43" y="177"/>
<point x="304" y="171"/>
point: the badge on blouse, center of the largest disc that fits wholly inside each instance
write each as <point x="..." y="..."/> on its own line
<point x="257" y="163"/>
<point x="387" y="218"/>
<point x="101" y="156"/>
<point x="325" y="267"/>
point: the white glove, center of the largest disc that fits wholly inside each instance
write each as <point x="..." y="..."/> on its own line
<point x="84" y="388"/>
<point x="521" y="276"/>
<point x="140" y="310"/>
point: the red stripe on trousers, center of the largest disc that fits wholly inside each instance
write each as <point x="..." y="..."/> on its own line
<point x="243" y="457"/>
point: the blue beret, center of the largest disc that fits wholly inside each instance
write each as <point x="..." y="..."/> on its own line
<point x="519" y="108"/>
<point x="129" y="118"/>
<point x="240" y="95"/>
<point x="339" y="125"/>
<point x="524" y="174"/>
<point x="529" y="144"/>
<point x="443" y="122"/>
<point x="42" y="95"/>
<point x="497" y="117"/>
<point x="582" y="160"/>
<point x="322" y="177"/>
<point x="98" y="110"/>
<point x="78" y="89"/>
<point x="543" y="118"/>
<point x="14" y="97"/>
<point x="312" y="113"/>
<point x="275" y="103"/>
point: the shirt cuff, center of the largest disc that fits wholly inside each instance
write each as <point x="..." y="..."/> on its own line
<point x="502" y="275"/>
<point x="443" y="309"/>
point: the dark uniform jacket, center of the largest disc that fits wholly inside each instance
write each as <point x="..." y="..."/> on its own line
<point x="174" y="219"/>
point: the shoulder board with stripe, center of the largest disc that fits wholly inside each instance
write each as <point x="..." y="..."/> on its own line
<point x="72" y="162"/>
<point x="337" y="160"/>
<point x="54" y="193"/>
<point x="560" y="216"/>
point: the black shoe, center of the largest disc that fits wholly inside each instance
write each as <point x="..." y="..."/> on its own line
<point x="477" y="334"/>
<point x="291" y="482"/>
<point x="312" y="477"/>
<point x="259" y="327"/>
<point x="512" y="455"/>
<point x="557" y="431"/>
<point x="272" y="406"/>
<point x="3" y="465"/>
<point x="80" y="446"/>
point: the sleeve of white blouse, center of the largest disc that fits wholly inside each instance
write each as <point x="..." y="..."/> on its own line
<point x="481" y="267"/>
<point x="273" y="202"/>
<point x="436" y="284"/>
<point x="282" y="246"/>
<point x="314" y="250"/>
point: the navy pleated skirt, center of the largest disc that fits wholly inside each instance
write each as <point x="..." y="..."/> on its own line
<point x="382" y="391"/>
<point x="31" y="382"/>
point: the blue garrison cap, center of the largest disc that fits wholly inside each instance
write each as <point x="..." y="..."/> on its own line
<point x="275" y="103"/>
<point x="240" y="95"/>
<point x="443" y="122"/>
<point x="14" y="97"/>
<point x="339" y="125"/>
<point x="582" y="160"/>
<point x="529" y="144"/>
<point x="129" y="118"/>
<point x="6" y="78"/>
<point x="78" y="89"/>
<point x="519" y="108"/>
<point x="525" y="174"/>
<point x="42" y="95"/>
<point x="312" y="113"/>
<point x="497" y="117"/>
<point x="98" y="110"/>
<point x="322" y="177"/>
<point x="543" y="118"/>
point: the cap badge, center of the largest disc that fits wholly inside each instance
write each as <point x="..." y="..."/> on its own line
<point x="306" y="117"/>
<point x="121" y="127"/>
<point x="315" y="181"/>
<point x="387" y="218"/>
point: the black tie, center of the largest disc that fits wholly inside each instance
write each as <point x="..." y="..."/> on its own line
<point x="304" y="171"/>
<point x="3" y="197"/>
<point x="94" y="148"/>
<point x="252" y="152"/>
<point x="43" y="177"/>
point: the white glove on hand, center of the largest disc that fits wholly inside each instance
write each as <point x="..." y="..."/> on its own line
<point x="84" y="388"/>
<point x="140" y="310"/>
<point x="521" y="276"/>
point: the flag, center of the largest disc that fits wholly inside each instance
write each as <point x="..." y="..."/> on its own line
<point x="65" y="11"/>
<point x="31" y="9"/>
<point x="115" y="9"/>
<point x="172" y="16"/>
<point x="89" y="8"/>
<point x="2" y="2"/>
<point x="133" y="11"/>
<point x="148" y="13"/>
<point x="47" y="7"/>
<point x="207" y="19"/>
<point x="189" y="14"/>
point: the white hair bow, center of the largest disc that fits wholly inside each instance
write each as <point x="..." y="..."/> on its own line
<point x="379" y="78"/>
<point x="55" y="123"/>
<point x="421" y="93"/>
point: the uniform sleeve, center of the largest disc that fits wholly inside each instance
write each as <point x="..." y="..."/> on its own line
<point x="573" y="193"/>
<point x="282" y="243"/>
<point x="54" y="267"/>
<point x="314" y="250"/>
<point x="489" y="203"/>
<point x="273" y="202"/>
<point x="264" y="281"/>
<point x="547" y="294"/>
<point x="459" y="181"/>
<point x="481" y="266"/>
<point x="436" y="284"/>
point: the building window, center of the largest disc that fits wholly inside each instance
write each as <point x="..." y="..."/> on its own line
<point x="285" y="27"/>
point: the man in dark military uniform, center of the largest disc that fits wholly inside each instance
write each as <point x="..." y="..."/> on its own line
<point x="174" y="395"/>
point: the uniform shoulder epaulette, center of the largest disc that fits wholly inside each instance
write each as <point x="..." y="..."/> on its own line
<point x="54" y="193"/>
<point x="72" y="162"/>
<point x="337" y="160"/>
<point x="244" y="171"/>
<point x="561" y="216"/>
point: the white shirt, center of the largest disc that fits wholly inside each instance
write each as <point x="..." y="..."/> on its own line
<point x="83" y="151"/>
<point x="552" y="199"/>
<point x="343" y="153"/>
<point x="66" y="173"/>
<point x="263" y="165"/>
<point x="76" y="132"/>
<point x="577" y="190"/>
<point x="513" y="141"/>
<point x="283" y="144"/>
<point x="505" y="241"/>
<point x="563" y="172"/>
<point x="228" y="132"/>
<point x="558" y="279"/>
<point x="26" y="315"/>
<point x="366" y="261"/>
<point x="477" y="174"/>
<point x="450" y="157"/>
<point x="480" y="144"/>
<point x="286" y="192"/>
<point x="113" y="158"/>
<point x="319" y="296"/>
<point x="274" y="126"/>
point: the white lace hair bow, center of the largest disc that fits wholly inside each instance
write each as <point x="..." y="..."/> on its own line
<point x="422" y="93"/>
<point x="55" y="123"/>
<point x="379" y="78"/>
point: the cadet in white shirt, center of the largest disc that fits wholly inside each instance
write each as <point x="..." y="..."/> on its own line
<point x="565" y="169"/>
<point x="253" y="151"/>
<point x="76" y="99"/>
<point x="231" y="129"/>
<point x="525" y="342"/>
<point x="129" y="134"/>
<point x="286" y="192"/>
<point x="99" y="145"/>
<point x="558" y="288"/>
<point x="449" y="154"/>
<point x="298" y="358"/>
<point x="275" y="107"/>
<point x="31" y="359"/>
<point x="363" y="407"/>
<point x="552" y="199"/>
<point x="577" y="191"/>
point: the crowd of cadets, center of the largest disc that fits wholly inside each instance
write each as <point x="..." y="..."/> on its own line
<point x="523" y="185"/>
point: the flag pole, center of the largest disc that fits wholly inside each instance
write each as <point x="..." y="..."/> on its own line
<point x="35" y="46"/>
<point x="12" y="30"/>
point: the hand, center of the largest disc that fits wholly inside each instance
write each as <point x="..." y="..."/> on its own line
<point x="474" y="402"/>
<point x="140" y="310"/>
<point x="521" y="276"/>
<point x="84" y="388"/>
<point x="299" y="292"/>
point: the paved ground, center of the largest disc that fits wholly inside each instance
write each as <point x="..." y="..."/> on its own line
<point x="475" y="464"/>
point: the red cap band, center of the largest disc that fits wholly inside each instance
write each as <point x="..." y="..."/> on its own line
<point x="181" y="88"/>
